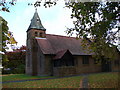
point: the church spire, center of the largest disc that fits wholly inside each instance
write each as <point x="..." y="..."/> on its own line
<point x="36" y="22"/>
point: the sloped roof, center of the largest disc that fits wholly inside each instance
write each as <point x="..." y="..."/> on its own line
<point x="60" y="54"/>
<point x="36" y="23"/>
<point x="45" y="46"/>
<point x="55" y="43"/>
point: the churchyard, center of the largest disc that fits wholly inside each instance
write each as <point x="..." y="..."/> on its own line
<point x="96" y="80"/>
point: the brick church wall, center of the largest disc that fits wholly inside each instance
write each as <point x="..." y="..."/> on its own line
<point x="86" y="68"/>
<point x="78" y="68"/>
<point x="115" y="64"/>
<point x="48" y="65"/>
<point x="64" y="71"/>
<point x="40" y="64"/>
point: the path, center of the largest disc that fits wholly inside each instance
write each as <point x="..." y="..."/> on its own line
<point x="84" y="82"/>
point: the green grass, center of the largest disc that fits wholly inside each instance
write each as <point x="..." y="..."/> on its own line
<point x="14" y="77"/>
<point x="100" y="80"/>
<point x="103" y="80"/>
<point x="70" y="82"/>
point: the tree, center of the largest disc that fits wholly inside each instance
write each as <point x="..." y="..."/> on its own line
<point x="95" y="21"/>
<point x="16" y="61"/>
<point x="6" y="38"/>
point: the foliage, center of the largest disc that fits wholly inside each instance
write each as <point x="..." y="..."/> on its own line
<point x="69" y="82"/>
<point x="4" y="33"/>
<point x="46" y="3"/>
<point x="95" y="22"/>
<point x="5" y="5"/>
<point x="7" y="38"/>
<point x="16" y="61"/>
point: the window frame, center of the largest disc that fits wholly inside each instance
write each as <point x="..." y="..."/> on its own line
<point x="85" y="60"/>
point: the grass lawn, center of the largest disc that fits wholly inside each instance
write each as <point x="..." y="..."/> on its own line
<point x="69" y="82"/>
<point x="103" y="80"/>
<point x="99" y="80"/>
<point x="14" y="77"/>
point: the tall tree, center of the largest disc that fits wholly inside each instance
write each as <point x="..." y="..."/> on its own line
<point x="6" y="38"/>
<point x="95" y="21"/>
<point x="5" y="35"/>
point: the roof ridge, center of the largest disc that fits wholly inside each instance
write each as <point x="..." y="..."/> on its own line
<point x="63" y="36"/>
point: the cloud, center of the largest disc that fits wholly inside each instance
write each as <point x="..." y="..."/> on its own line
<point x="58" y="25"/>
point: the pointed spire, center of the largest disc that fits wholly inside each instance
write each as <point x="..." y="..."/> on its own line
<point x="36" y="22"/>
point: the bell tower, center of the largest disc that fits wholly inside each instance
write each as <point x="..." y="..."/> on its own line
<point x="35" y="30"/>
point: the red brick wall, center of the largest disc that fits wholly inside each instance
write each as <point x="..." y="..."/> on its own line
<point x="64" y="71"/>
<point x="79" y="68"/>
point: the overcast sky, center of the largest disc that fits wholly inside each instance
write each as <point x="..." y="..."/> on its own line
<point x="54" y="19"/>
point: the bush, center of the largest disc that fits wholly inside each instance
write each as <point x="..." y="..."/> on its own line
<point x="15" y="61"/>
<point x="20" y="69"/>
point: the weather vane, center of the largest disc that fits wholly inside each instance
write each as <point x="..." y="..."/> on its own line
<point x="35" y="8"/>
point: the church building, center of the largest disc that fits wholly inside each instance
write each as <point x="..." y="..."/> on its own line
<point x="49" y="54"/>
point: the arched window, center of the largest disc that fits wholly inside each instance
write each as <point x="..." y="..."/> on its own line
<point x="36" y="34"/>
<point x="40" y="34"/>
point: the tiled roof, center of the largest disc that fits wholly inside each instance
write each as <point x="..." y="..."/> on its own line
<point x="60" y="54"/>
<point x="55" y="43"/>
<point x="45" y="46"/>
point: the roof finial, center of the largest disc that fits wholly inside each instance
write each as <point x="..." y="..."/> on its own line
<point x="36" y="9"/>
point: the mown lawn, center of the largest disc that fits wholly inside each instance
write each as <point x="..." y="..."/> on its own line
<point x="69" y="82"/>
<point x="104" y="80"/>
<point x="14" y="77"/>
<point x="99" y="80"/>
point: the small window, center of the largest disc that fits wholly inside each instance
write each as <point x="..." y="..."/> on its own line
<point x="76" y="62"/>
<point x="40" y="34"/>
<point x="85" y="60"/>
<point x="36" y="34"/>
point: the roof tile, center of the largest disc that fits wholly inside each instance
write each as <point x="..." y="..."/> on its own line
<point x="55" y="43"/>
